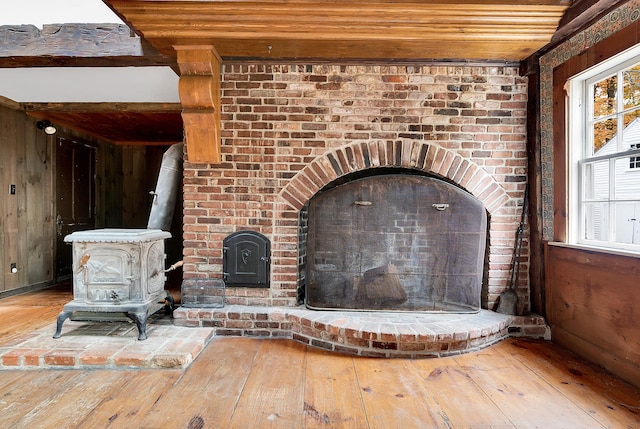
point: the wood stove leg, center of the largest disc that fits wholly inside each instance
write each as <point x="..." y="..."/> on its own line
<point x="140" y="317"/>
<point x="64" y="315"/>
<point x="170" y="304"/>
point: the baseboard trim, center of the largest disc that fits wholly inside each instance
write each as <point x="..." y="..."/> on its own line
<point x="25" y="289"/>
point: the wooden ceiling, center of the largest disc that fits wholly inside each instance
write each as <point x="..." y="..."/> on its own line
<point x="118" y="123"/>
<point x="503" y="30"/>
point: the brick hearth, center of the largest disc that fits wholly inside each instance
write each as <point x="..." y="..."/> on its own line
<point x="374" y="334"/>
<point x="177" y="343"/>
<point x="93" y="345"/>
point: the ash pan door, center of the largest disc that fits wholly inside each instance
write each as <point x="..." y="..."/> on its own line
<point x="246" y="259"/>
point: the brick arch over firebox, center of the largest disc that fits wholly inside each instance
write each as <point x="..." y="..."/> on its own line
<point x="416" y="155"/>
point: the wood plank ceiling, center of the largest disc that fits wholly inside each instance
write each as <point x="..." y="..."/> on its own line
<point x="118" y="123"/>
<point x="504" y="30"/>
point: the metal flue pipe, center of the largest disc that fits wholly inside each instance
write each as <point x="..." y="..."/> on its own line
<point x="166" y="193"/>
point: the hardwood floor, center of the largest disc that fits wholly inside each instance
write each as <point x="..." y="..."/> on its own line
<point x="262" y="383"/>
<point x="22" y="313"/>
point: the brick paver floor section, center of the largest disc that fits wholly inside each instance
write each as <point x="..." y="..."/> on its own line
<point x="106" y="345"/>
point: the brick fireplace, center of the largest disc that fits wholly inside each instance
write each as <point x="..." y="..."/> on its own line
<point x="289" y="131"/>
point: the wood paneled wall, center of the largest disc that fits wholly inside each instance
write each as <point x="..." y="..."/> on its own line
<point x="124" y="177"/>
<point x="591" y="300"/>
<point x="26" y="221"/>
<point x="590" y="295"/>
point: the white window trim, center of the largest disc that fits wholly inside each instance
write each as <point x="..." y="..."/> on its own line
<point x="578" y="116"/>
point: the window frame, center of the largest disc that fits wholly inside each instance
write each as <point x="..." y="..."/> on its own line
<point x="634" y="161"/>
<point x="580" y="118"/>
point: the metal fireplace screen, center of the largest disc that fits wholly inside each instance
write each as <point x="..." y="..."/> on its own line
<point x="396" y="243"/>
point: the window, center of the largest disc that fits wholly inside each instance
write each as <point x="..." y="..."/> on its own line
<point x="605" y="154"/>
<point x="634" y="161"/>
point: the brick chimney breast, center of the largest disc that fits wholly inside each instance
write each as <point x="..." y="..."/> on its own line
<point x="290" y="130"/>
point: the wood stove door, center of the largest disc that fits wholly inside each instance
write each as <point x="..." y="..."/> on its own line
<point x="75" y="184"/>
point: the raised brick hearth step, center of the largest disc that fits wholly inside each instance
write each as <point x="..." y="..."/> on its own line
<point x="175" y="343"/>
<point x="380" y="334"/>
<point x="106" y="345"/>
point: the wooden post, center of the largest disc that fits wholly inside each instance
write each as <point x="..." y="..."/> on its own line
<point x="199" y="89"/>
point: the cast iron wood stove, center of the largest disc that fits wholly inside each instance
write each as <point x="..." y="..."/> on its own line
<point x="117" y="271"/>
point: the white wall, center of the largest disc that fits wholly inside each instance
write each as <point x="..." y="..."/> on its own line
<point x="39" y="12"/>
<point x="79" y="84"/>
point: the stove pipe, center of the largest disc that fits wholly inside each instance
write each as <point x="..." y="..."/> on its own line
<point x="165" y="195"/>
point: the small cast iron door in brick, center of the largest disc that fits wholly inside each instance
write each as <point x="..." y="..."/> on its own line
<point x="396" y="242"/>
<point x="246" y="259"/>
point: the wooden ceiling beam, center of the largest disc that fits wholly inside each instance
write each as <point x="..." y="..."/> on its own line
<point x="67" y="45"/>
<point x="199" y="90"/>
<point x="102" y="107"/>
<point x="7" y="102"/>
<point x="348" y="29"/>
<point x="581" y="14"/>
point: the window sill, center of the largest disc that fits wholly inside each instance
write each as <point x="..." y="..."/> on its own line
<point x="616" y="252"/>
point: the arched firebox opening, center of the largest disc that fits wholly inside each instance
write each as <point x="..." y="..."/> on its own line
<point x="392" y="239"/>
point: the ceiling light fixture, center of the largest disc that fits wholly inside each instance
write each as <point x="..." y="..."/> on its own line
<point x="46" y="126"/>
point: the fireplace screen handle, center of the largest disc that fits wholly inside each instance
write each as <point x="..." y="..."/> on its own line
<point x="440" y="207"/>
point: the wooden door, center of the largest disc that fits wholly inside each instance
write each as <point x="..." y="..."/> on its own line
<point x="75" y="196"/>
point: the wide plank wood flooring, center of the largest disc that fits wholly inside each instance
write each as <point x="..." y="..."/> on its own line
<point x="267" y="383"/>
